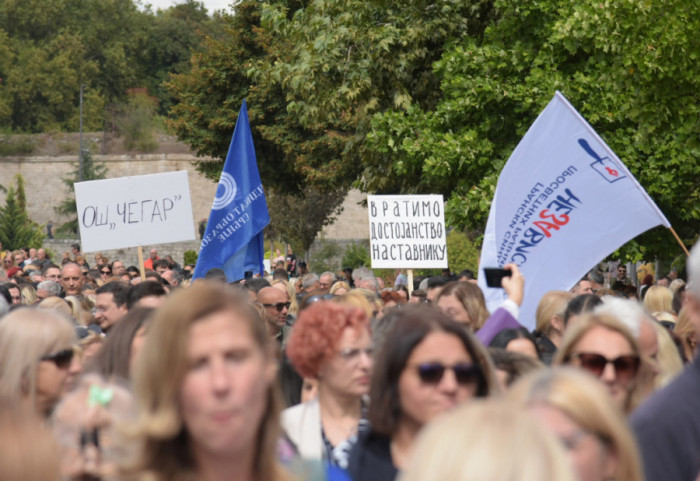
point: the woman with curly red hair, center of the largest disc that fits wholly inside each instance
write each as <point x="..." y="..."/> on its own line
<point x="330" y="343"/>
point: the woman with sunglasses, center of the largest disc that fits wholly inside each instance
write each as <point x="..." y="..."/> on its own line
<point x="36" y="353"/>
<point x="330" y="343"/>
<point x="427" y="365"/>
<point x="579" y="411"/>
<point x="603" y="346"/>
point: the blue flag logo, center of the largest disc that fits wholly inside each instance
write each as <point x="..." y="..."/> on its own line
<point x="233" y="240"/>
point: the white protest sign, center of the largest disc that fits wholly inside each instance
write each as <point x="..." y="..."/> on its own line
<point x="134" y="211"/>
<point x="407" y="231"/>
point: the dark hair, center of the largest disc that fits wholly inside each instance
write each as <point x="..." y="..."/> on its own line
<point x="503" y="338"/>
<point x="216" y="274"/>
<point x="437" y="281"/>
<point x="5" y="292"/>
<point x="161" y="263"/>
<point x="420" y="293"/>
<point x="581" y="304"/>
<point x="256" y="283"/>
<point x="412" y="325"/>
<point x="119" y="290"/>
<point x="596" y="276"/>
<point x="514" y="364"/>
<point x="115" y="354"/>
<point x="468" y="273"/>
<point x="144" y="289"/>
<point x="280" y="274"/>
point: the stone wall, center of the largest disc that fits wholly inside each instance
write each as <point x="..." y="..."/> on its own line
<point x="45" y="190"/>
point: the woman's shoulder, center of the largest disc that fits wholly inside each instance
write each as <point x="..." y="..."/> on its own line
<point x="370" y="459"/>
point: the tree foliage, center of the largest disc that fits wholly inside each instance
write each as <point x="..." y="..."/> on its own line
<point x="92" y="170"/>
<point x="17" y="230"/>
<point x="631" y="68"/>
<point x="48" y="48"/>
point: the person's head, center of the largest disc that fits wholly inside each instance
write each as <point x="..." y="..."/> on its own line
<point x="310" y="282"/>
<point x="580" y="305"/>
<point x="75" y="249"/>
<point x="47" y="289"/>
<point x="516" y="340"/>
<point x="434" y="286"/>
<point x="146" y="294"/>
<point x="621" y="272"/>
<point x="582" y="415"/>
<point x="120" y="351"/>
<point x="205" y="382"/>
<point x="550" y="314"/>
<point x="605" y="347"/>
<point x="339" y="288"/>
<point x="105" y="272"/>
<point x="326" y="280"/>
<point x="276" y="304"/>
<point x="161" y="265"/>
<point x="118" y="268"/>
<point x="110" y="303"/>
<point x="488" y="441"/>
<point x="153" y="254"/>
<point x="331" y="343"/>
<point x="511" y="366"/>
<point x="464" y="303"/>
<point x="658" y="299"/>
<point x="36" y="350"/>
<point x="72" y="279"/>
<point x="584" y="286"/>
<point x="172" y="277"/>
<point x="427" y="365"/>
<point x="52" y="273"/>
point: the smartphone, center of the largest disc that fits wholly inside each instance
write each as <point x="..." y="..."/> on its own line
<point x="248" y="275"/>
<point x="494" y="275"/>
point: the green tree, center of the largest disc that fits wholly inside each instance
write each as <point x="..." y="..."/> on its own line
<point x="632" y="70"/>
<point x="17" y="230"/>
<point x="92" y="170"/>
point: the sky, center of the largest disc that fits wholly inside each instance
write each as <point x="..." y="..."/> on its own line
<point x="210" y="5"/>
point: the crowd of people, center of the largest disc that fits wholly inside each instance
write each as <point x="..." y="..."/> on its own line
<point x="108" y="373"/>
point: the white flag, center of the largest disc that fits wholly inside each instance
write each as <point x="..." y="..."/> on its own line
<point x="563" y="202"/>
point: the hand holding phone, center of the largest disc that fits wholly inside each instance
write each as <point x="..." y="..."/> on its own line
<point x="494" y="275"/>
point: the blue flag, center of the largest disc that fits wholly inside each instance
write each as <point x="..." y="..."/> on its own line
<point x="233" y="240"/>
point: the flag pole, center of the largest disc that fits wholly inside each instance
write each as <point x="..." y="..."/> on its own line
<point x="685" y="249"/>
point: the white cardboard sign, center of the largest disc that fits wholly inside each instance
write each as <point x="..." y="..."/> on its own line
<point x="407" y="231"/>
<point x="134" y="211"/>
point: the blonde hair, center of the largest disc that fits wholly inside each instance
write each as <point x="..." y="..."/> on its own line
<point x="658" y="299"/>
<point x="575" y="333"/>
<point x="80" y="308"/>
<point x="28" y="295"/>
<point x="552" y="304"/>
<point x="56" y="304"/>
<point x="26" y="335"/>
<point x="472" y="299"/>
<point x="670" y="362"/>
<point x="362" y="298"/>
<point x="587" y="403"/>
<point x="685" y="330"/>
<point x="468" y="444"/>
<point x="291" y="294"/>
<point x="337" y="286"/>
<point x="160" y="372"/>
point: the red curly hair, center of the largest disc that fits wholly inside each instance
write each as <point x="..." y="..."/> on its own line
<point x="317" y="331"/>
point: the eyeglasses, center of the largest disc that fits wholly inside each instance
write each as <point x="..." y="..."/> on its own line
<point x="465" y="374"/>
<point x="279" y="306"/>
<point x="626" y="367"/>
<point x="61" y="359"/>
<point x="105" y="272"/>
<point x="352" y="355"/>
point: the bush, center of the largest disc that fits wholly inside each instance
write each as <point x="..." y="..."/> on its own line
<point x="356" y="255"/>
<point x="326" y="258"/>
<point x="136" y="123"/>
<point x="190" y="257"/>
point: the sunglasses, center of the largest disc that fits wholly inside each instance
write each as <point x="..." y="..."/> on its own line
<point x="105" y="272"/>
<point x="61" y="359"/>
<point x="279" y="306"/>
<point x="465" y="374"/>
<point x="626" y="367"/>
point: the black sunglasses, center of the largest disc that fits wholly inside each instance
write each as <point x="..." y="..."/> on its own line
<point x="465" y="374"/>
<point x="279" y="306"/>
<point x="61" y="359"/>
<point x="105" y="272"/>
<point x="626" y="367"/>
